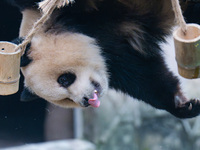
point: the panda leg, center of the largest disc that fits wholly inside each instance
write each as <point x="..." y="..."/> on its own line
<point x="154" y="84"/>
<point x="179" y="105"/>
<point x="168" y="94"/>
<point x="175" y="102"/>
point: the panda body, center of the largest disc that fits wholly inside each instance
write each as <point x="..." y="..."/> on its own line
<point x="100" y="44"/>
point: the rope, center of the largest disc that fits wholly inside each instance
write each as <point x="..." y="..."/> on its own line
<point x="179" y="16"/>
<point x="47" y="7"/>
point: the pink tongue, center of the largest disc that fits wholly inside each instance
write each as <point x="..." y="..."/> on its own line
<point x="94" y="102"/>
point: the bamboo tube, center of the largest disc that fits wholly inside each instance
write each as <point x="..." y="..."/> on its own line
<point x="9" y="68"/>
<point x="187" y="49"/>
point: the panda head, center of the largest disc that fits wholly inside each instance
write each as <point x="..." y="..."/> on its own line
<point x="64" y="69"/>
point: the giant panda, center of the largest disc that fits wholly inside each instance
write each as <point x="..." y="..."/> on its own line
<point x="93" y="45"/>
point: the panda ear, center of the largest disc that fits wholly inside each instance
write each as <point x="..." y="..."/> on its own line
<point x="26" y="95"/>
<point x="25" y="60"/>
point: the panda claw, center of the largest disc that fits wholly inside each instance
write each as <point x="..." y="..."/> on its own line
<point x="190" y="106"/>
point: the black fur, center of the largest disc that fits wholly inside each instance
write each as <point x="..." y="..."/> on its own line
<point x="142" y="76"/>
<point x="26" y="95"/>
<point x="25" y="60"/>
<point x="18" y="40"/>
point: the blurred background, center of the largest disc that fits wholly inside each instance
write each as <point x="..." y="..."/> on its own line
<point x="121" y="123"/>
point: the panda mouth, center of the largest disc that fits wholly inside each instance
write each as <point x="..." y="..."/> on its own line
<point x="94" y="102"/>
<point x="85" y="102"/>
<point x="68" y="103"/>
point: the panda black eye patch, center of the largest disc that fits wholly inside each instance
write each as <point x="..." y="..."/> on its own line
<point x="65" y="80"/>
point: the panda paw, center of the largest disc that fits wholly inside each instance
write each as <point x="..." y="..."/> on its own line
<point x="190" y="109"/>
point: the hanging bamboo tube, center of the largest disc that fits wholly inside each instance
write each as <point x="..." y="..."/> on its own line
<point x="187" y="49"/>
<point x="187" y="45"/>
<point x="9" y="68"/>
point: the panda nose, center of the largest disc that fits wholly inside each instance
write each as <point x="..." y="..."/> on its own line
<point x="85" y="101"/>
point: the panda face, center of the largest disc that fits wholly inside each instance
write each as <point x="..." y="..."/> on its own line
<point x="66" y="69"/>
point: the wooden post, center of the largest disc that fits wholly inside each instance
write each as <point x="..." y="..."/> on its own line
<point x="9" y="68"/>
<point x="187" y="48"/>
